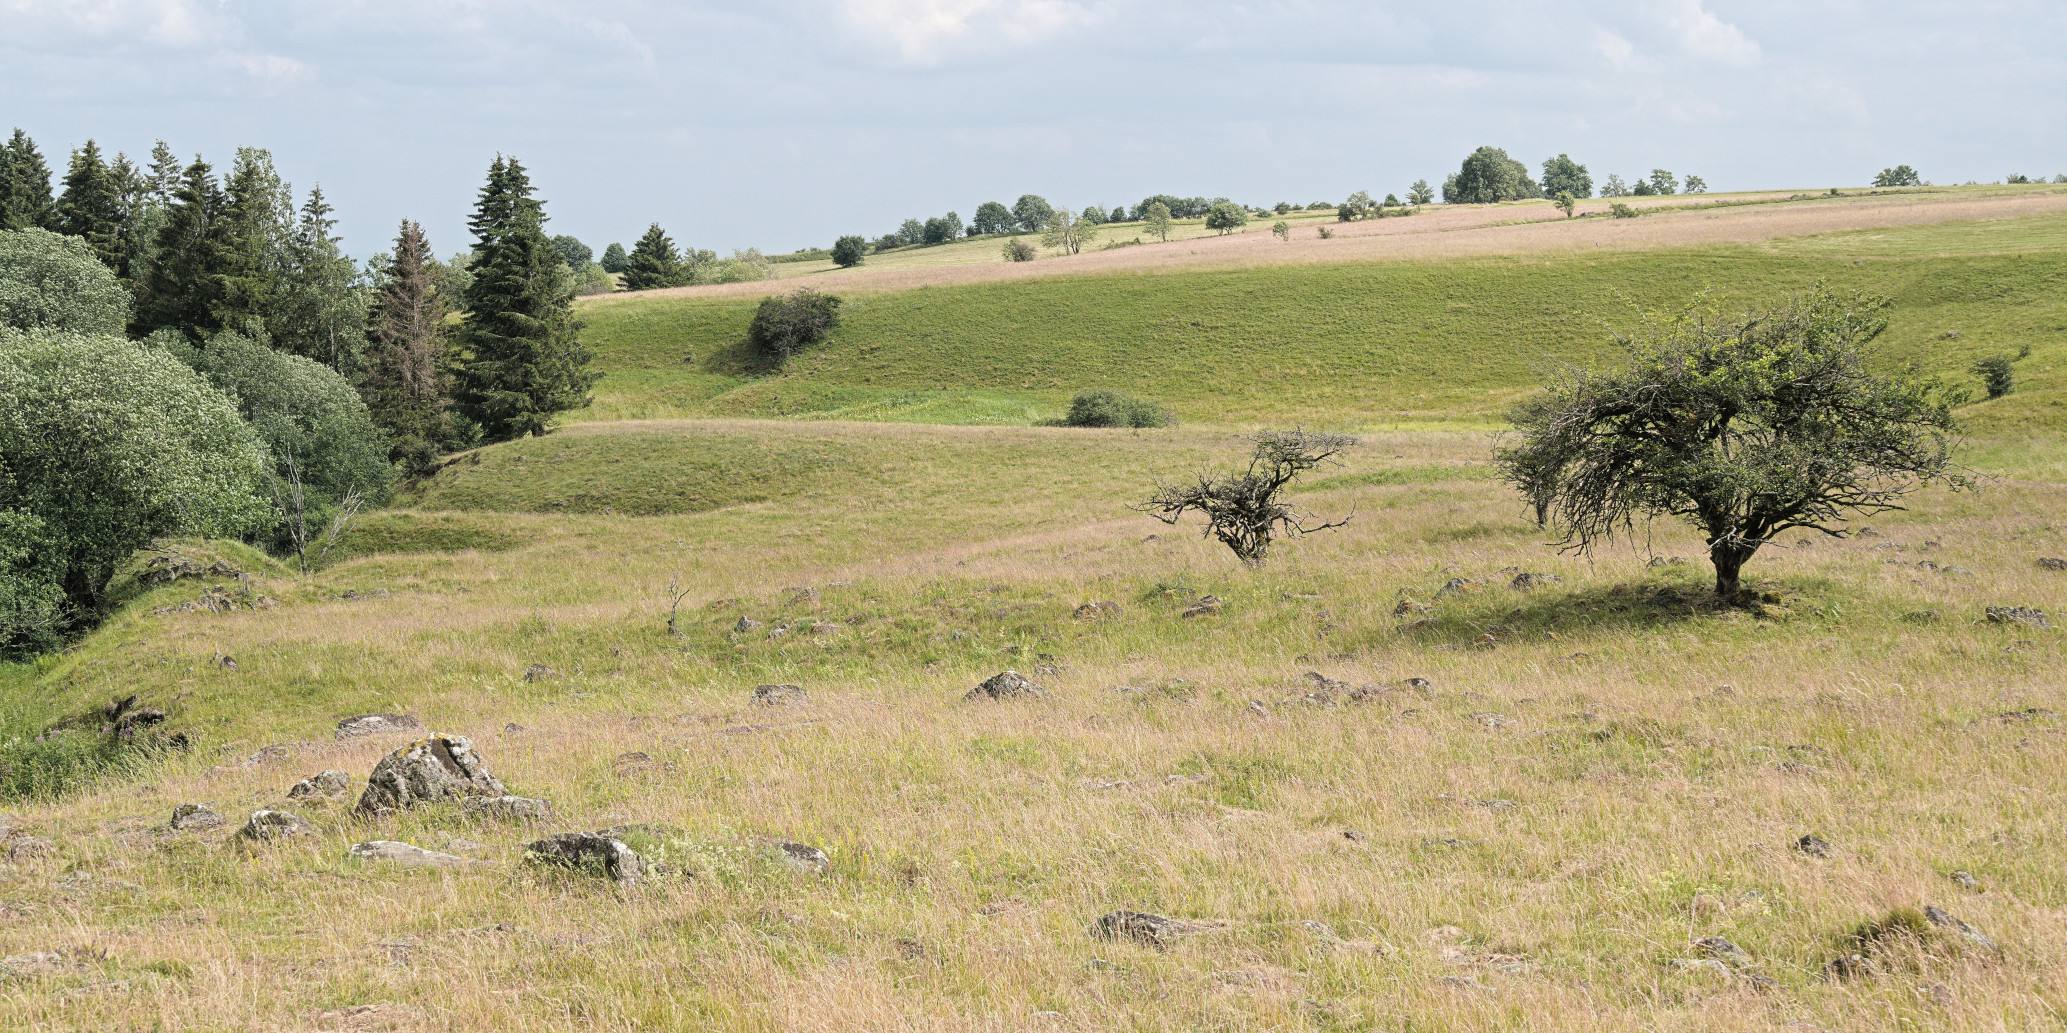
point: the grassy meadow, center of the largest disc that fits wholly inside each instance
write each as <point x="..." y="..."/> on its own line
<point x="1599" y="773"/>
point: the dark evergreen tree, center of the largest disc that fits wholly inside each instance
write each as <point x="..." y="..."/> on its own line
<point x="614" y="258"/>
<point x="653" y="262"/>
<point x="164" y="176"/>
<point x="257" y="221"/>
<point x="91" y="207"/>
<point x="319" y="305"/>
<point x="407" y="381"/>
<point x="524" y="358"/>
<point x="24" y="185"/>
<point x="183" y="287"/>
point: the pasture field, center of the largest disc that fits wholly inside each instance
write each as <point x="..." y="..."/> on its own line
<point x="1600" y="773"/>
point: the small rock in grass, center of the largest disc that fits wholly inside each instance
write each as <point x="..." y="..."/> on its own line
<point x="1939" y="918"/>
<point x="267" y="825"/>
<point x="1813" y="845"/>
<point x="540" y="672"/>
<point x="403" y="854"/>
<point x="1490" y="719"/>
<point x="1849" y="967"/>
<point x="1149" y="930"/>
<point x="194" y="816"/>
<point x="29" y="848"/>
<point x="377" y="724"/>
<point x="37" y="963"/>
<point x="1007" y="685"/>
<point x="2017" y="615"/>
<point x="780" y="695"/>
<point x="1498" y="805"/>
<point x="745" y="625"/>
<point x="1965" y="880"/>
<point x="508" y="808"/>
<point x="1525" y="581"/>
<point x="804" y="857"/>
<point x="585" y="851"/>
<point x="1422" y="687"/>
<point x="436" y="767"/>
<point x="2051" y="563"/>
<point x="326" y="785"/>
<point x="1095" y="611"/>
<point x="1206" y="606"/>
<point x="1722" y="950"/>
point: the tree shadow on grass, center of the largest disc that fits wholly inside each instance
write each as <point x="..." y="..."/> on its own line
<point x="1495" y="615"/>
<point x="739" y="358"/>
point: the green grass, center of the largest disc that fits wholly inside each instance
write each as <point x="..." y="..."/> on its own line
<point x="1328" y="345"/>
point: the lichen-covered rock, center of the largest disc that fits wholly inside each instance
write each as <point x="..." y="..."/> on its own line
<point x="267" y="825"/>
<point x="436" y="767"/>
<point x="585" y="851"/>
<point x="509" y="808"/>
<point x="804" y="856"/>
<point x="2016" y="615"/>
<point x="1008" y="685"/>
<point x="1937" y="916"/>
<point x="194" y="816"/>
<point x="405" y="854"/>
<point x="1149" y="930"/>
<point x="377" y="724"/>
<point x="780" y="695"/>
<point x="324" y="785"/>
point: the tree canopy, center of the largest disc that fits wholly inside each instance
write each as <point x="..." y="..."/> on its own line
<point x="1032" y="212"/>
<point x="653" y="262"/>
<point x="1562" y="175"/>
<point x="24" y="185"/>
<point x="50" y="282"/>
<point x="1745" y="427"/>
<point x="1487" y="176"/>
<point x="992" y="217"/>
<point x="1227" y="217"/>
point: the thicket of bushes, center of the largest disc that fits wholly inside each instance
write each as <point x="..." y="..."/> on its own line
<point x="1113" y="409"/>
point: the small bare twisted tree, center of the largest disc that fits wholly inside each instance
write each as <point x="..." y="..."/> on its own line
<point x="1247" y="511"/>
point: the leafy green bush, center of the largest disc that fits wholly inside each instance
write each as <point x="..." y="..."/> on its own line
<point x="1227" y="217"/>
<point x="1017" y="250"/>
<point x="31" y="597"/>
<point x="785" y="326"/>
<point x="1996" y="374"/>
<point x="849" y="251"/>
<point x="1113" y="409"/>
<point x="108" y="445"/>
<point x="1623" y="211"/>
<point x="305" y="413"/>
<point x="49" y="282"/>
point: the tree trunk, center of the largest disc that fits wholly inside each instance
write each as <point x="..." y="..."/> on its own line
<point x="1729" y="560"/>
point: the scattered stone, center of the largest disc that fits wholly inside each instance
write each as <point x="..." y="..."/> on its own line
<point x="798" y="596"/>
<point x="29" y="848"/>
<point x="226" y="661"/>
<point x="1257" y="708"/>
<point x="1525" y="581"/>
<point x="1422" y="687"/>
<point x="1354" y="836"/>
<point x="780" y="696"/>
<point x="267" y="825"/>
<point x="1096" y="611"/>
<point x="827" y="627"/>
<point x="2051" y="563"/>
<point x="508" y="808"/>
<point x="1699" y="965"/>
<point x="1498" y="805"/>
<point x="327" y="785"/>
<point x="194" y="816"/>
<point x="1463" y="983"/>
<point x="1812" y="845"/>
<point x="540" y="672"/>
<point x="1490" y="719"/>
<point x="804" y="857"/>
<point x="2026" y="714"/>
<point x="1849" y="967"/>
<point x="2016" y="615"/>
<point x="1206" y="606"/>
<point x="377" y="724"/>
<point x="1669" y="561"/>
<point x="745" y="625"/>
<point x="125" y="718"/>
<point x="514" y="728"/>
<point x="403" y="854"/>
<point x="165" y="569"/>
<point x="1008" y="685"/>
<point x="1456" y="586"/>
<point x="1722" y="950"/>
<point x="585" y="851"/>
<point x="1921" y="617"/>
<point x="1150" y="930"/>
<point x="38" y="963"/>
<point x="1409" y="606"/>
<point x="1416" y="627"/>
<point x="437" y="767"/>
<point x="631" y="761"/>
<point x="1939" y="918"/>
<point x="278" y="751"/>
<point x="1966" y="881"/>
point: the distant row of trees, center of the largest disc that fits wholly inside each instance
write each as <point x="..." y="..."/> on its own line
<point x="1488" y="175"/>
<point x="655" y="262"/>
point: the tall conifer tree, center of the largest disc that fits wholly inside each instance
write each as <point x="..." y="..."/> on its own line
<point x="653" y="262"/>
<point x="524" y="359"/>
<point x="183" y="288"/>
<point x="91" y="207"/>
<point x="24" y="185"/>
<point x="256" y="224"/>
<point x="407" y="380"/>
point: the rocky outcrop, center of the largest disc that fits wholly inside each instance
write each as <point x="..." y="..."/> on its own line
<point x="1008" y="685"/>
<point x="377" y="724"/>
<point x="584" y="851"/>
<point x="436" y="767"/>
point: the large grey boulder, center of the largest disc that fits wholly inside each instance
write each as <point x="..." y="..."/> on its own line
<point x="324" y="785"/>
<point x="436" y="767"/>
<point x="266" y="825"/>
<point x="195" y="816"/>
<point x="584" y="851"/>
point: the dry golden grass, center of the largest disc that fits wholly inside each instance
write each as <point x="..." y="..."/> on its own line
<point x="974" y="844"/>
<point x="1444" y="232"/>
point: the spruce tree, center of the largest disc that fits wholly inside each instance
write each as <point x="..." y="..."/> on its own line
<point x="91" y="207"/>
<point x="524" y="358"/>
<point x="183" y="287"/>
<point x="24" y="185"/>
<point x="407" y="381"/>
<point x="653" y="262"/>
<point x="319" y="306"/>
<point x="256" y="224"/>
<point x="164" y="175"/>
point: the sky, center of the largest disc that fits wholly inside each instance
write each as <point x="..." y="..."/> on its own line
<point x="782" y="124"/>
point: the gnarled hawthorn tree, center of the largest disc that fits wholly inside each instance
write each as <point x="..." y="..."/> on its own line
<point x="1247" y="511"/>
<point x="1744" y="427"/>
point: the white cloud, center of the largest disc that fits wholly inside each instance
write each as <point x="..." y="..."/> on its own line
<point x="1708" y="37"/>
<point x="925" y="31"/>
<point x="175" y="23"/>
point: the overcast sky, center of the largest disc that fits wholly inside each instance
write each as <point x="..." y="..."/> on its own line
<point x="783" y="123"/>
